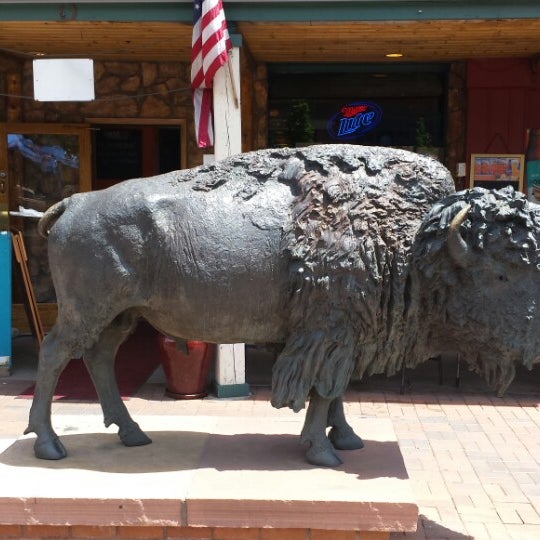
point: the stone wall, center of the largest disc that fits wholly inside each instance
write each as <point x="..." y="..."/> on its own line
<point x="155" y="90"/>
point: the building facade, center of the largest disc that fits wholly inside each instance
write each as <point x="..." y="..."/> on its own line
<point x="460" y="80"/>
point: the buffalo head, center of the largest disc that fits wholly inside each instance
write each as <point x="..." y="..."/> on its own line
<point x="477" y="287"/>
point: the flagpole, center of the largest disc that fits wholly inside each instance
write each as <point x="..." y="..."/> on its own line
<point x="233" y="82"/>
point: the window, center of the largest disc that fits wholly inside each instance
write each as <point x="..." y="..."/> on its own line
<point x="122" y="150"/>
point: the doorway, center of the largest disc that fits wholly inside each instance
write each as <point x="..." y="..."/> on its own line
<point x="411" y="98"/>
<point x="43" y="164"/>
<point x="40" y="164"/>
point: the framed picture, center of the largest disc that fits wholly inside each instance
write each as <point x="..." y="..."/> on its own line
<point x="494" y="171"/>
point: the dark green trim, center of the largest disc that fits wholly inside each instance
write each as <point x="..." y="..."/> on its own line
<point x="231" y="390"/>
<point x="156" y="11"/>
<point x="398" y="10"/>
<point x="236" y="39"/>
<point x="382" y="11"/>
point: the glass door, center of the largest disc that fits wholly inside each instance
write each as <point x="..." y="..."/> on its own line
<point x="40" y="164"/>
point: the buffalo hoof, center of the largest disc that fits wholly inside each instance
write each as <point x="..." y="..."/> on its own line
<point x="134" y="436"/>
<point x="345" y="440"/>
<point x="323" y="457"/>
<point x="49" y="449"/>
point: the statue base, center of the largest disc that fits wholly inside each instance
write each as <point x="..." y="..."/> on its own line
<point x="211" y="472"/>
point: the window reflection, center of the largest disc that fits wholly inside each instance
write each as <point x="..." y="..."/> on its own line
<point x="43" y="169"/>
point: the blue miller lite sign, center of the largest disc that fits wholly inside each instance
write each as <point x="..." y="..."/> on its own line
<point x="353" y="120"/>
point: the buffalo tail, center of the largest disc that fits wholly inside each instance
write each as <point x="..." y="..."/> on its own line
<point x="49" y="217"/>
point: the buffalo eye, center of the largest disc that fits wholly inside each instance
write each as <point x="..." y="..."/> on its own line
<point x="502" y="277"/>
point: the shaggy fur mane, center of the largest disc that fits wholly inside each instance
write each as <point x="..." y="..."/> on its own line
<point x="353" y="223"/>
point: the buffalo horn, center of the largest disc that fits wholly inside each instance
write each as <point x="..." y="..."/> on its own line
<point x="456" y="245"/>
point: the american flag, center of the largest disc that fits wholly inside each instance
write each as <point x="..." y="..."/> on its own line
<point x="210" y="47"/>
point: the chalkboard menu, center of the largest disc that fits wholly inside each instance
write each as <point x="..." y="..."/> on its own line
<point x="118" y="153"/>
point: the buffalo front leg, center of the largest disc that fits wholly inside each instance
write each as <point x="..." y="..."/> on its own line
<point x="53" y="358"/>
<point x="341" y="434"/>
<point x="320" y="451"/>
<point x="100" y="363"/>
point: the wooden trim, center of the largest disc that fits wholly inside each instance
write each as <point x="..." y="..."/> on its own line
<point x="81" y="131"/>
<point x="78" y="130"/>
<point x="137" y="121"/>
<point x="4" y="183"/>
<point x="43" y="127"/>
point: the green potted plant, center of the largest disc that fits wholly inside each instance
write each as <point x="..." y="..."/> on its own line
<point x="424" y="142"/>
<point x="299" y="128"/>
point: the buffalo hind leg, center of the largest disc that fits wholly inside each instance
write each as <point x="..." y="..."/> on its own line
<point x="54" y="355"/>
<point x="100" y="363"/>
<point x="320" y="451"/>
<point x="341" y="434"/>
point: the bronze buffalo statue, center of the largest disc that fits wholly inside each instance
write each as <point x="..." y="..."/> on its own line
<point x="356" y="258"/>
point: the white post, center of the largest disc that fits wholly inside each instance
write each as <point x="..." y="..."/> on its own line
<point x="227" y="112"/>
<point x="231" y="359"/>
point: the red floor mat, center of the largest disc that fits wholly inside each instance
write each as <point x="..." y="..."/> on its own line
<point x="136" y="360"/>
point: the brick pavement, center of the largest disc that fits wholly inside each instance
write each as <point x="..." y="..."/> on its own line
<point x="473" y="459"/>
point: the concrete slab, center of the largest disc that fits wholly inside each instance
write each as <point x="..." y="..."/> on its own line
<point x="206" y="471"/>
<point x="253" y="474"/>
<point x="102" y="482"/>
